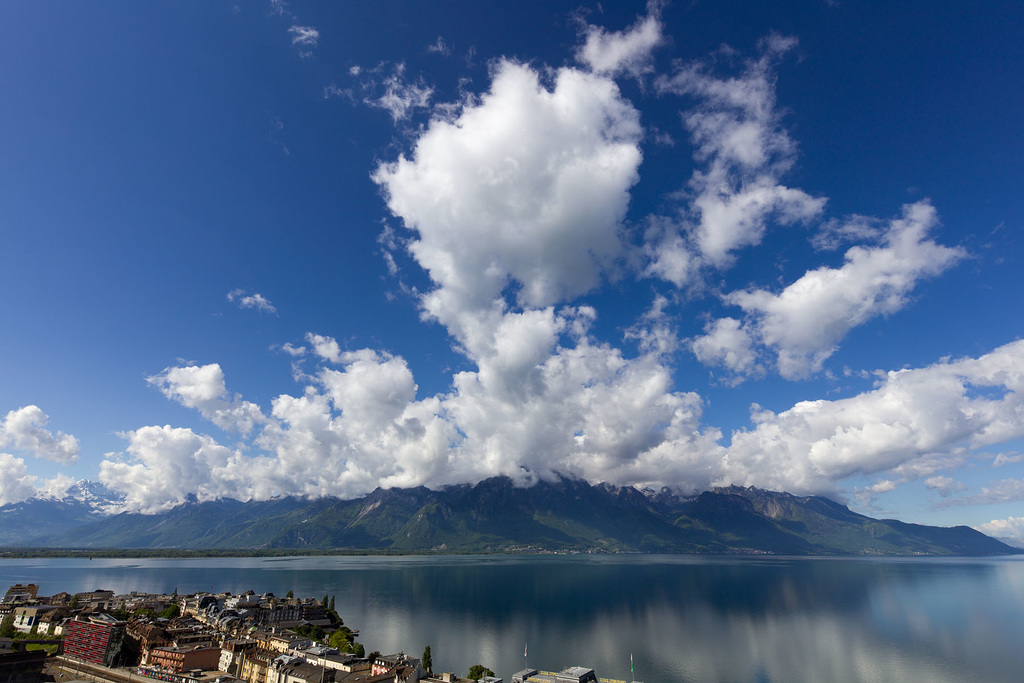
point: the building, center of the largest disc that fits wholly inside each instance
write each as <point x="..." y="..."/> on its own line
<point x="253" y="665"/>
<point x="51" y="623"/>
<point x="288" y="669"/>
<point x="572" y="674"/>
<point x="231" y="654"/>
<point x="21" y="592"/>
<point x="286" y="642"/>
<point x="97" y="599"/>
<point x="386" y="664"/>
<point x="96" y="638"/>
<point x="179" y="659"/>
<point x="62" y="599"/>
<point x="26" y="619"/>
<point x="339" y="661"/>
<point x="145" y="635"/>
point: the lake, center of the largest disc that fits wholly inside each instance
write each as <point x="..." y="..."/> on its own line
<point x="683" y="618"/>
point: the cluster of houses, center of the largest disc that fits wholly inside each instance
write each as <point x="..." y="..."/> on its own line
<point x="207" y="637"/>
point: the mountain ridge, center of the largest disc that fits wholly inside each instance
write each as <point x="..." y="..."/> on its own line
<point x="494" y="516"/>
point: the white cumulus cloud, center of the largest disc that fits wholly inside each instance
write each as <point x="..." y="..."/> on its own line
<point x="610" y="52"/>
<point x="803" y="324"/>
<point x="515" y="202"/>
<point x="16" y="484"/>
<point x="203" y="388"/>
<point x="537" y="406"/>
<point x="1010" y="529"/>
<point x="527" y="186"/>
<point x="163" y="466"/>
<point x="324" y="347"/>
<point x="24" y="429"/>
<point x="737" y="134"/>
<point x="727" y="343"/>
<point x="254" y="300"/>
<point x="912" y="418"/>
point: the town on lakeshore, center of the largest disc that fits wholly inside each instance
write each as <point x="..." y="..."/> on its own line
<point x="103" y="637"/>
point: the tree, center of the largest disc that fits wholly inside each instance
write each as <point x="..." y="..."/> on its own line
<point x="175" y="593"/>
<point x="7" y="629"/>
<point x="290" y="594"/>
<point x="426" y="662"/>
<point x="332" y="604"/>
<point x="172" y="612"/>
<point x="341" y="639"/>
<point x="359" y="650"/>
<point x="323" y="603"/>
<point x="478" y="671"/>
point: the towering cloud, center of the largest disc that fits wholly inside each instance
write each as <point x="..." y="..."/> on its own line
<point x="515" y="204"/>
<point x="527" y="186"/>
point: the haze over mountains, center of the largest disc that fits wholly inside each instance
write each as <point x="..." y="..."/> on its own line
<point x="493" y="515"/>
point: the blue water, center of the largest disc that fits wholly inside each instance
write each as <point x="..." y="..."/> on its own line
<point x="682" y="618"/>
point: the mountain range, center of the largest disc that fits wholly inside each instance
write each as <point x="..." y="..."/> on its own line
<point x="496" y="516"/>
<point x="47" y="514"/>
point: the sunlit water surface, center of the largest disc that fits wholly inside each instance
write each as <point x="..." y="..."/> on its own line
<point x="682" y="618"/>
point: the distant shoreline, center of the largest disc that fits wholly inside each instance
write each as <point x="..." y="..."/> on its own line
<point x="14" y="553"/>
<point x="182" y="553"/>
<point x="9" y="553"/>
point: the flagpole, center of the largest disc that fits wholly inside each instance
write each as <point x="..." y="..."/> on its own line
<point x="526" y="660"/>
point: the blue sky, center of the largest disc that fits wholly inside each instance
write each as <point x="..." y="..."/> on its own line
<point x="277" y="248"/>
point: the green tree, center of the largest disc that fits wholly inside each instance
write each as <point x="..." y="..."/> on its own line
<point x="171" y="612"/>
<point x="290" y="594"/>
<point x="323" y="603"/>
<point x="331" y="607"/>
<point x="426" y="662"/>
<point x="478" y="671"/>
<point x="359" y="650"/>
<point x="341" y="639"/>
<point x="7" y="629"/>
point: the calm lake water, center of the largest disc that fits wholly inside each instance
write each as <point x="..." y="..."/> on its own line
<point x="683" y="618"/>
